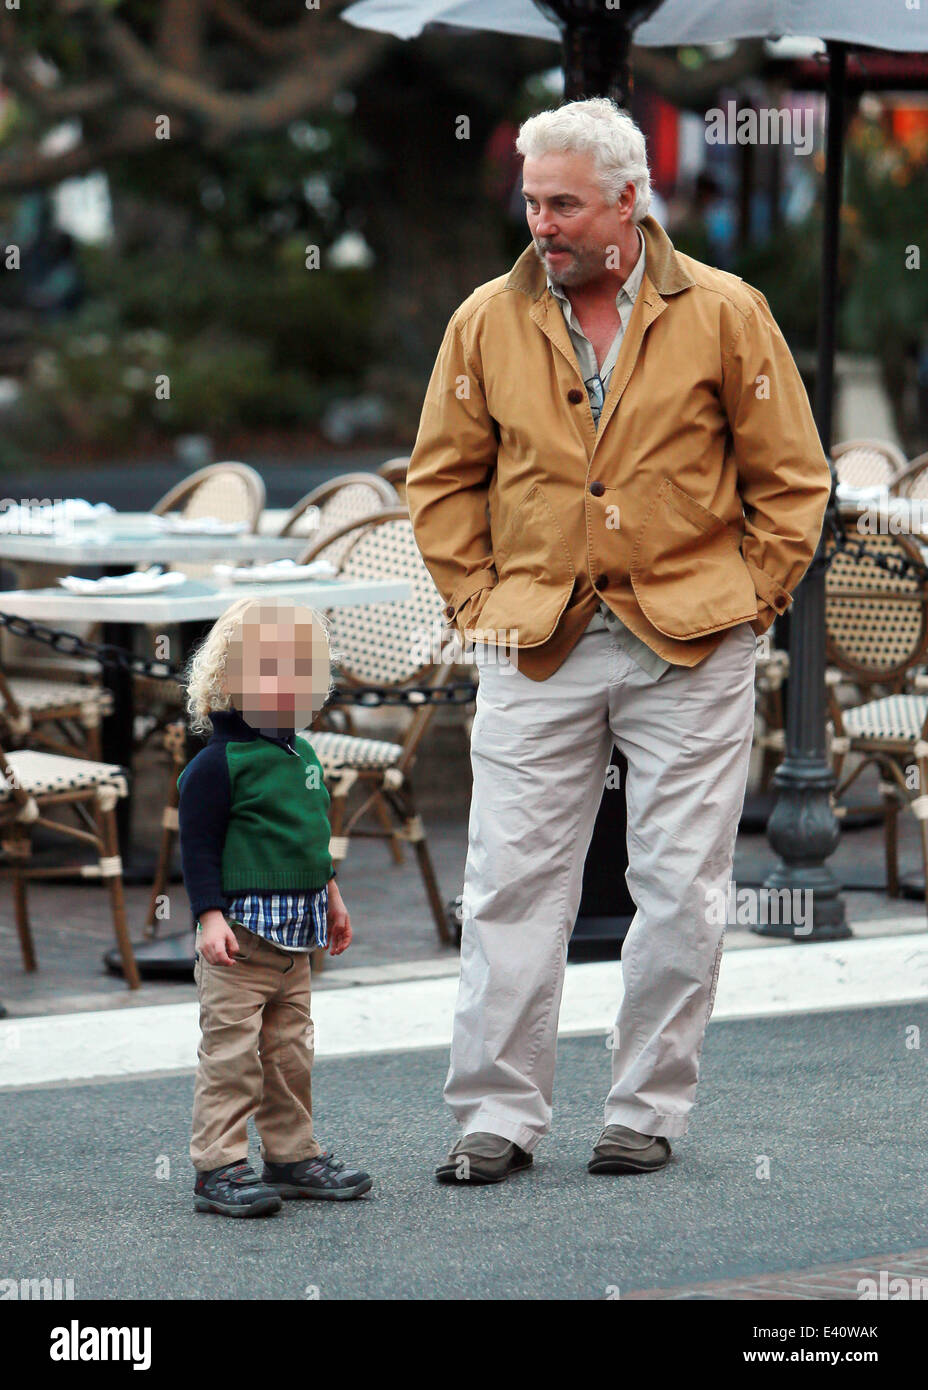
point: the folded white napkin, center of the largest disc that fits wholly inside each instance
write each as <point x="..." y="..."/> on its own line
<point x="874" y="492"/>
<point x="203" y="525"/>
<point x="147" y="581"/>
<point x="22" y="518"/>
<point x="275" y="569"/>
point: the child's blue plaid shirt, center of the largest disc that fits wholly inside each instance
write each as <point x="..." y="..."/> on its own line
<point x="292" y="921"/>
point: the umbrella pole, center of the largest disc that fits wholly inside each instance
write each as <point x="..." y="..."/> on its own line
<point x="803" y="828"/>
<point x="596" y="60"/>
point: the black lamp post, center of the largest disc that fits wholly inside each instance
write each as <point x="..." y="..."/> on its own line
<point x="803" y="828"/>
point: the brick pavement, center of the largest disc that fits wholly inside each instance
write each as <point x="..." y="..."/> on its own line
<point x="840" y="1282"/>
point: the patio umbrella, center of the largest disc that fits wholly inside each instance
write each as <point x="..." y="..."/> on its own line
<point x="594" y="35"/>
<point x="803" y="828"/>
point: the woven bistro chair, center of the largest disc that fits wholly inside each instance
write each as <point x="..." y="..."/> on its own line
<point x="913" y="480"/>
<point x="58" y="716"/>
<point x="175" y="746"/>
<point x="876" y="636"/>
<point x="387" y="645"/>
<point x="351" y="497"/>
<point x="325" y="511"/>
<point x="770" y="671"/>
<point x="394" y="470"/>
<point x="31" y="784"/>
<point x="867" y="462"/>
<point x="228" y="491"/>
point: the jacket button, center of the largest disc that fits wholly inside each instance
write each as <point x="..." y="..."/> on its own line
<point x="597" y="489"/>
<point x="575" y="395"/>
<point x="601" y="581"/>
<point x="449" y="610"/>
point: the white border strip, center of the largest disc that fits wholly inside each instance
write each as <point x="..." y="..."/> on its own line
<point x="415" y="1014"/>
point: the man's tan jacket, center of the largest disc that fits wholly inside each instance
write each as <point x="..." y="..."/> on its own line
<point x="697" y="504"/>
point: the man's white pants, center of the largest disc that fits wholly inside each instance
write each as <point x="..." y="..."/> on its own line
<point x="540" y="751"/>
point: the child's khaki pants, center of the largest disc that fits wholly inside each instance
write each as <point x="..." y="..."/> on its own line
<point x="256" y="1056"/>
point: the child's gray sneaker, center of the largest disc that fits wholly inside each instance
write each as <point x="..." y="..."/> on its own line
<point x="234" y="1190"/>
<point x="325" y="1177"/>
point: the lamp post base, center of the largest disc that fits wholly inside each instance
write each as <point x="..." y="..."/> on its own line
<point x="804" y="830"/>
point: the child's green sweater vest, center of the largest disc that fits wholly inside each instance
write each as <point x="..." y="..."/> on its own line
<point x="278" y="831"/>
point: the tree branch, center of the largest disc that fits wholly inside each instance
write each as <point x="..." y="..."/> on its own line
<point x="225" y="116"/>
<point x="180" y="34"/>
<point x="167" y="79"/>
<point x="29" y="167"/>
<point x="57" y="103"/>
<point x="271" y="43"/>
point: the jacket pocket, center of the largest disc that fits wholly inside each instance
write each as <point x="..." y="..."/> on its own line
<point x="535" y="575"/>
<point x="687" y="570"/>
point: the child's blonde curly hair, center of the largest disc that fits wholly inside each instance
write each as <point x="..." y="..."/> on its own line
<point x="205" y="671"/>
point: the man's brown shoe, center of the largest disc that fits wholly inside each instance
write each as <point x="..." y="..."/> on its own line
<point x="482" y="1158"/>
<point x="623" y="1150"/>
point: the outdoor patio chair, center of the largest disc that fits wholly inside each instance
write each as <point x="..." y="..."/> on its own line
<point x="350" y="497"/>
<point x="31" y="784"/>
<point x="175" y="746"/>
<point x="394" y="470"/>
<point x="229" y="491"/>
<point x="56" y="715"/>
<point x="386" y="645"/>
<point x="770" y="671"/>
<point x="913" y="480"/>
<point x="867" y="462"/>
<point x="877" y="635"/>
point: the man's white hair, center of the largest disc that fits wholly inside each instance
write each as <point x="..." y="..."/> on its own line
<point x="602" y="129"/>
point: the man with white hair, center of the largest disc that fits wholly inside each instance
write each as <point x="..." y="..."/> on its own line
<point x="617" y="483"/>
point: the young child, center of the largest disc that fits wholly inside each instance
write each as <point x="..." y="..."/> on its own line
<point x="254" y="838"/>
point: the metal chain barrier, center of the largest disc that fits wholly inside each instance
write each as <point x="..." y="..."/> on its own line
<point x="897" y="566"/>
<point x="107" y="654"/>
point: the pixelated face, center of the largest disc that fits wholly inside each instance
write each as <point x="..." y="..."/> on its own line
<point x="277" y="670"/>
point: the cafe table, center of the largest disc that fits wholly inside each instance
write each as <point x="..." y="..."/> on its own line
<point x="197" y="602"/>
<point x="140" y="538"/>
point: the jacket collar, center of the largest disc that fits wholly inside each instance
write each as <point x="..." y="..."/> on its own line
<point x="663" y="266"/>
<point x="230" y="726"/>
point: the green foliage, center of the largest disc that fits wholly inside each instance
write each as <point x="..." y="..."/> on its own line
<point x="241" y="342"/>
<point x="207" y="284"/>
<point x="885" y="306"/>
<point x="787" y="270"/>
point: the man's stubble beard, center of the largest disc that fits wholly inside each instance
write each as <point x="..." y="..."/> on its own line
<point x="585" y="265"/>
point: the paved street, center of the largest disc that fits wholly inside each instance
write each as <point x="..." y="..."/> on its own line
<point x="835" y="1101"/>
